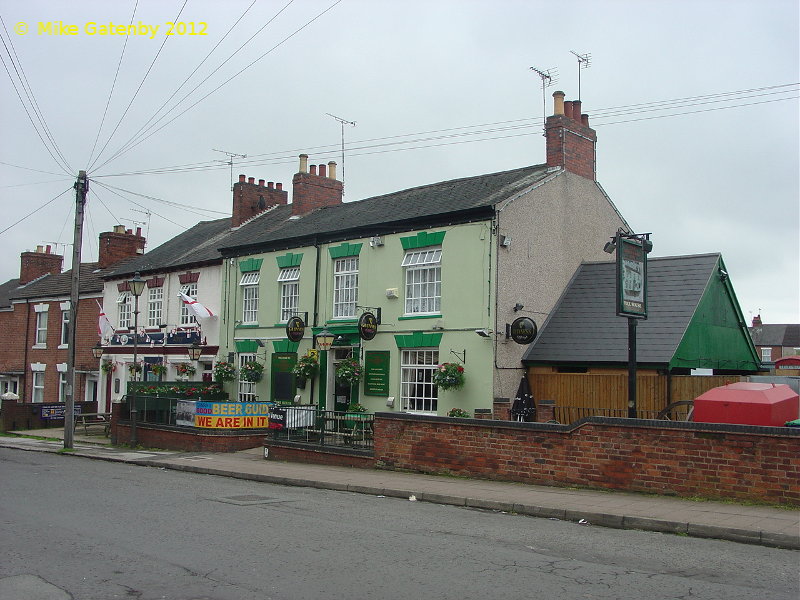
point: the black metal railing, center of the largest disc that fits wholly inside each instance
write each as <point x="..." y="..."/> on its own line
<point x="156" y="410"/>
<point x="308" y="425"/>
<point x="570" y="414"/>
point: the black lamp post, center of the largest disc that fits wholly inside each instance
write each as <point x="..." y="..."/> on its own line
<point x="136" y="287"/>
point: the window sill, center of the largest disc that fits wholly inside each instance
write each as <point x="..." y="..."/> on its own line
<point x="342" y="320"/>
<point x="39" y="347"/>
<point x="63" y="346"/>
<point x="247" y="326"/>
<point x="410" y="317"/>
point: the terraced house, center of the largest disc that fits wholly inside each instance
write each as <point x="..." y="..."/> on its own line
<point x="447" y="268"/>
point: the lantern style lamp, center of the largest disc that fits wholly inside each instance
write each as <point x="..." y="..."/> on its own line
<point x="194" y="351"/>
<point x="324" y="340"/>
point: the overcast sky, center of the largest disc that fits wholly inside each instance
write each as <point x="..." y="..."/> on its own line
<point x="695" y="104"/>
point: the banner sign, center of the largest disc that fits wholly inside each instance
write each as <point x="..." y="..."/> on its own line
<point x="56" y="411"/>
<point x="631" y="279"/>
<point x="185" y="413"/>
<point x="295" y="329"/>
<point x="232" y="415"/>
<point x="367" y="326"/>
<point x="277" y="418"/>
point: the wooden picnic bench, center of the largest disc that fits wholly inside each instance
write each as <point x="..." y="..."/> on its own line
<point x="92" y="419"/>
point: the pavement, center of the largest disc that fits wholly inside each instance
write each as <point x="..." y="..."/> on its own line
<point x="753" y="524"/>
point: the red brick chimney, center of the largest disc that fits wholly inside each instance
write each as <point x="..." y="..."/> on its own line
<point x="313" y="190"/>
<point x="119" y="244"/>
<point x="35" y="264"/>
<point x="250" y="198"/>
<point x="570" y="141"/>
<point x="757" y="321"/>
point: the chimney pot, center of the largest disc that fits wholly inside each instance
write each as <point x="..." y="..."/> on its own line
<point x="278" y="186"/>
<point x="129" y="231"/>
<point x="332" y="170"/>
<point x="558" y="102"/>
<point x="304" y="163"/>
<point x="251" y="180"/>
<point x="576" y="110"/>
<point x="568" y="109"/>
<point x="119" y="229"/>
<point x="270" y="184"/>
<point x="242" y="178"/>
<point x="138" y="232"/>
<point x="39" y="250"/>
<point x="585" y="120"/>
<point x="261" y="182"/>
<point x="47" y="250"/>
<point x="322" y="171"/>
<point x="313" y="169"/>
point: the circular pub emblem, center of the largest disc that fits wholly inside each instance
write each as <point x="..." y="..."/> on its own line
<point x="523" y="330"/>
<point x="367" y="326"/>
<point x="295" y="328"/>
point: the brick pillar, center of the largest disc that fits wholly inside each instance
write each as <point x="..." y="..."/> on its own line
<point x="545" y="411"/>
<point x="483" y="413"/>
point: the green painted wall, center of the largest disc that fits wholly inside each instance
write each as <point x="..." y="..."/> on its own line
<point x="717" y="336"/>
<point x="466" y="306"/>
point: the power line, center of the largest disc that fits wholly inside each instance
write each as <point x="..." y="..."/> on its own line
<point x="113" y="85"/>
<point x="129" y="144"/>
<point x="109" y="189"/>
<point x="453" y="132"/>
<point x="15" y="61"/>
<point x="138" y="89"/>
<point x="188" y="207"/>
<point x="37" y="210"/>
<point x="232" y="77"/>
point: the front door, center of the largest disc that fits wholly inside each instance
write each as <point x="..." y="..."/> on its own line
<point x="342" y="392"/>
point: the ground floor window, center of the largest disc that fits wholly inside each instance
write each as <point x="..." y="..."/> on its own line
<point x="247" y="389"/>
<point x="417" y="390"/>
<point x="38" y="387"/>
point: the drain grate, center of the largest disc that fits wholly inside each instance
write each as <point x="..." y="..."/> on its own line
<point x="248" y="500"/>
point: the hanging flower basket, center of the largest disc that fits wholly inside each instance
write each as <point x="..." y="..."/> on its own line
<point x="224" y="371"/>
<point x="449" y="376"/>
<point x="158" y="369"/>
<point x="306" y="367"/>
<point x="108" y="366"/>
<point x="251" y="371"/>
<point x="185" y="369"/>
<point x="349" y="370"/>
<point x="134" y="368"/>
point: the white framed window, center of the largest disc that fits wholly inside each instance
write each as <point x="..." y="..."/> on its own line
<point x="41" y="328"/>
<point x="247" y="389"/>
<point x="289" y="279"/>
<point x="124" y="309"/>
<point x="249" y="283"/>
<point x="345" y="287"/>
<point x="155" y="306"/>
<point x="37" y="393"/>
<point x="418" y="393"/>
<point x="423" y="281"/>
<point x="766" y="354"/>
<point x="187" y="316"/>
<point x="62" y="387"/>
<point x="64" y="327"/>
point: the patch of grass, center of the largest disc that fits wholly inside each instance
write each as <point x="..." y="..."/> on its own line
<point x="66" y="450"/>
<point x="29" y="437"/>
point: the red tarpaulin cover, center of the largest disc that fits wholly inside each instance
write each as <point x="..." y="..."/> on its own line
<point x="746" y="403"/>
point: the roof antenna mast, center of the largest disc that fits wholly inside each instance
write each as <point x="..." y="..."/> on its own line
<point x="342" y="122"/>
<point x="584" y="60"/>
<point x="548" y="77"/>
<point x="230" y="155"/>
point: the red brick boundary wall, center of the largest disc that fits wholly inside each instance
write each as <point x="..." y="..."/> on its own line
<point x="329" y="456"/>
<point x="188" y="440"/>
<point x="28" y="415"/>
<point x="662" y="457"/>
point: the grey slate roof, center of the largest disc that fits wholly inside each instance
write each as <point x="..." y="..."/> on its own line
<point x="6" y="290"/>
<point x="60" y="284"/>
<point x="405" y="208"/>
<point x="584" y="327"/>
<point x="773" y="334"/>
<point x="197" y="245"/>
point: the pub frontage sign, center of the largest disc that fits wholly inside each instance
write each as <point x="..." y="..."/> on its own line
<point x="523" y="330"/>
<point x="367" y="326"/>
<point x="295" y="329"/>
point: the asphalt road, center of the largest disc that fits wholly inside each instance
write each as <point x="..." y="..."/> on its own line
<point x="87" y="529"/>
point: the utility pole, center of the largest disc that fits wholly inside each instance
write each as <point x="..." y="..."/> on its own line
<point x="81" y="189"/>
